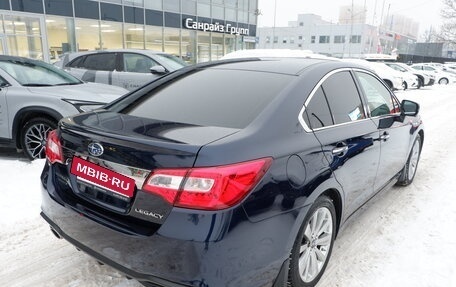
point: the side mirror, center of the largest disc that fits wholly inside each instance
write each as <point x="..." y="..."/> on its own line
<point x="409" y="108"/>
<point x="158" y="70"/>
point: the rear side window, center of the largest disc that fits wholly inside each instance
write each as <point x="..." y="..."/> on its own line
<point x="211" y="97"/>
<point x="318" y="112"/>
<point x="77" y="63"/>
<point x="343" y="98"/>
<point x="100" y="62"/>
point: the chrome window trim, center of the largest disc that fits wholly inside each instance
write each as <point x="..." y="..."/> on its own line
<point x="365" y="106"/>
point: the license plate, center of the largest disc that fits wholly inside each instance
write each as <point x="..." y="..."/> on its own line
<point x="102" y="177"/>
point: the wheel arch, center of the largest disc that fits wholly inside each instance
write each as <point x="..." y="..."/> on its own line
<point x="25" y="114"/>
<point x="336" y="198"/>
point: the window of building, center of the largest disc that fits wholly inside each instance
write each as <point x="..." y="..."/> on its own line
<point x="292" y="40"/>
<point x="346" y="108"/>
<point x="204" y="38"/>
<point x="312" y="39"/>
<point x="61" y="36"/>
<point x="111" y="35"/>
<point x="134" y="36"/>
<point x="188" y="7"/>
<point x="171" y="37"/>
<point x="88" y="34"/>
<point x="188" y="46"/>
<point x="154" y="4"/>
<point x="323" y="39"/>
<point x="243" y="16"/>
<point x="379" y="99"/>
<point x="85" y="9"/>
<point x="300" y="45"/>
<point x="216" y="46"/>
<point x="284" y="40"/>
<point x="171" y="5"/>
<point x="355" y="39"/>
<point x="268" y="39"/>
<point x="276" y="39"/>
<point x="134" y="15"/>
<point x="59" y="7"/>
<point x="230" y="43"/>
<point x="136" y="3"/>
<point x="218" y="12"/>
<point x="299" y="37"/>
<point x="230" y="14"/>
<point x="204" y="10"/>
<point x="111" y="12"/>
<point x="154" y="38"/>
<point x="339" y="39"/>
<point x="301" y="24"/>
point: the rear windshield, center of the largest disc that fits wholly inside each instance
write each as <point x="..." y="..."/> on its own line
<point x="210" y="97"/>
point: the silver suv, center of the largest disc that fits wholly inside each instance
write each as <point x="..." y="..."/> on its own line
<point x="129" y="69"/>
<point x="35" y="95"/>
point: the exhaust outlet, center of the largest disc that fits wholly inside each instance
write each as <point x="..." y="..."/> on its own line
<point x="56" y="233"/>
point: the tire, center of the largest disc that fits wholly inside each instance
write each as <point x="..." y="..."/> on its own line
<point x="404" y="85"/>
<point x="443" y="81"/>
<point x="389" y="84"/>
<point x="409" y="170"/>
<point x="33" y="136"/>
<point x="313" y="245"/>
<point x="420" y="83"/>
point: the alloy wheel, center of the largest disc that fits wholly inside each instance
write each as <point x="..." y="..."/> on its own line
<point x="316" y="244"/>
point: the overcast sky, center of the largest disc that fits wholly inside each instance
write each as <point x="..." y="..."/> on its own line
<point x="426" y="12"/>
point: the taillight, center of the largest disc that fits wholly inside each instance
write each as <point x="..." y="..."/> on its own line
<point x="209" y="188"/>
<point x="54" y="148"/>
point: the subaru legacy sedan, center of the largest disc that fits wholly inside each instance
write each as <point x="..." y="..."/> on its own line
<point x="230" y="173"/>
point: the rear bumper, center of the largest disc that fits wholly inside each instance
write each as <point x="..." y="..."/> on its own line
<point x="200" y="249"/>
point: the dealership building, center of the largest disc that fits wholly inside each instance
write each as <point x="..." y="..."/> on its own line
<point x="196" y="30"/>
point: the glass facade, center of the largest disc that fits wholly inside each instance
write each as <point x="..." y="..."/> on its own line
<point x="195" y="30"/>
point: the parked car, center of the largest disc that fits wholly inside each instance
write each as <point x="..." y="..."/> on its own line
<point x="126" y="68"/>
<point x="35" y="95"/>
<point x="394" y="79"/>
<point x="424" y="79"/>
<point x="230" y="173"/>
<point x="442" y="77"/>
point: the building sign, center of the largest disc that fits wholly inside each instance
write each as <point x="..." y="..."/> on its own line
<point x="217" y="27"/>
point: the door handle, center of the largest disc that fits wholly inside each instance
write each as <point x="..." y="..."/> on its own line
<point x="339" y="150"/>
<point x="385" y="136"/>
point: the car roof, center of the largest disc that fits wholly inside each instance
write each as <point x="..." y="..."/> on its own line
<point x="139" y="51"/>
<point x="290" y="66"/>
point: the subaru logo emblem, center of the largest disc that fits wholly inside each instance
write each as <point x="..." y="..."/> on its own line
<point x="95" y="149"/>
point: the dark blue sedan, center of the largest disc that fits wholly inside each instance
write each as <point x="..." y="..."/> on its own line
<point x="232" y="173"/>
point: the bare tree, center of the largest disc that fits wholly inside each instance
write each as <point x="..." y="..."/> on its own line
<point x="448" y="28"/>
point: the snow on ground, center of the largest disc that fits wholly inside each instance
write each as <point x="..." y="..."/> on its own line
<point x="403" y="237"/>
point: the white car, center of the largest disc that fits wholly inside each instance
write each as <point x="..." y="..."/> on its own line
<point x="126" y="68"/>
<point x="392" y="78"/>
<point x="35" y="95"/>
<point x="424" y="79"/>
<point x="441" y="77"/>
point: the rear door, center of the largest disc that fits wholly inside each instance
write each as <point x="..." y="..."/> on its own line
<point x="97" y="68"/>
<point x="349" y="139"/>
<point x="394" y="131"/>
